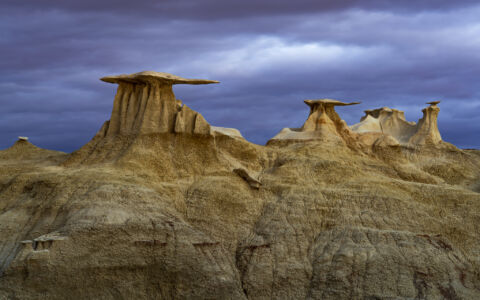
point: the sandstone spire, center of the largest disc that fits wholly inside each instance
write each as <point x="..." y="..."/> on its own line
<point x="427" y="128"/>
<point x="323" y="123"/>
<point x="145" y="104"/>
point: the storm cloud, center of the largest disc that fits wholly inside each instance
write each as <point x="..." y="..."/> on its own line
<point x="268" y="55"/>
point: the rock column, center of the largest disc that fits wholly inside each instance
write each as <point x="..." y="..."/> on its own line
<point x="145" y="103"/>
<point x="427" y="128"/>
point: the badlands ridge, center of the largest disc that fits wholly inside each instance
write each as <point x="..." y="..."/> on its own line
<point x="162" y="205"/>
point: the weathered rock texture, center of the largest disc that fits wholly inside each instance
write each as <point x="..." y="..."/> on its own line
<point x="144" y="107"/>
<point x="392" y="122"/>
<point x="145" y="104"/>
<point x="379" y="127"/>
<point x="323" y="123"/>
<point x="166" y="215"/>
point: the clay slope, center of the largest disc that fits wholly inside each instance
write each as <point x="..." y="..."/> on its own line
<point x="175" y="214"/>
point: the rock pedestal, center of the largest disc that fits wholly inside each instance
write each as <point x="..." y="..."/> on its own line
<point x="323" y="114"/>
<point x="151" y="130"/>
<point x="145" y="103"/>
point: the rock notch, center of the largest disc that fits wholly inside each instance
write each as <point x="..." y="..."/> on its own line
<point x="252" y="182"/>
<point x="323" y="123"/>
<point x="145" y="103"/>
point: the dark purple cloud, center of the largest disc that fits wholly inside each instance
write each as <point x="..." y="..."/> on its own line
<point x="268" y="55"/>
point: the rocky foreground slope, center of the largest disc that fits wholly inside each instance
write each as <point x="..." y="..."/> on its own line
<point x="162" y="205"/>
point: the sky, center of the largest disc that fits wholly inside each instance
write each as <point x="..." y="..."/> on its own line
<point x="268" y="55"/>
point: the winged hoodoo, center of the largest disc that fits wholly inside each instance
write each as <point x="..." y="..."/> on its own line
<point x="323" y="123"/>
<point x="146" y="107"/>
<point x="145" y="103"/>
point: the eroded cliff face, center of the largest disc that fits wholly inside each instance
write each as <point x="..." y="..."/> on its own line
<point x="163" y="213"/>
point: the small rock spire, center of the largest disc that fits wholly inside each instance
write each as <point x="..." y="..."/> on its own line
<point x="427" y="128"/>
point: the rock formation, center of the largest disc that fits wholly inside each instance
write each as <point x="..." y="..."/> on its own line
<point x="382" y="126"/>
<point x="392" y="122"/>
<point x="145" y="104"/>
<point x="323" y="123"/>
<point x="158" y="207"/>
<point x="427" y="129"/>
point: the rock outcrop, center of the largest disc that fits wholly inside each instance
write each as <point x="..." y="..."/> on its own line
<point x="145" y="107"/>
<point x="323" y="123"/>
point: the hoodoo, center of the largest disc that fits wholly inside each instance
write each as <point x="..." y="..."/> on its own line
<point x="427" y="128"/>
<point x="323" y="123"/>
<point x="145" y="103"/>
<point x="148" y="121"/>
